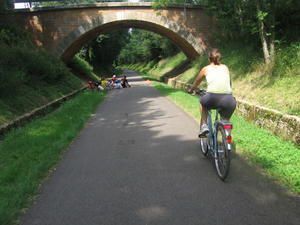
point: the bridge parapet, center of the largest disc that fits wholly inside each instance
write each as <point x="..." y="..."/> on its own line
<point x="103" y="4"/>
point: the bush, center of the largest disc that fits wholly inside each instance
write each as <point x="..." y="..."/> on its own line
<point x="10" y="79"/>
<point x="11" y="72"/>
<point x="13" y="35"/>
<point x="287" y="60"/>
<point x="40" y="65"/>
<point x="23" y="63"/>
<point x="29" y="76"/>
<point x="80" y="64"/>
<point x="36" y="64"/>
<point x="144" y="46"/>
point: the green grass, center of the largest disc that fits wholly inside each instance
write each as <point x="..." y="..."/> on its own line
<point x="27" y="154"/>
<point x="157" y="69"/>
<point x="106" y="71"/>
<point x="83" y="67"/>
<point x="29" y="76"/>
<point x="276" y="88"/>
<point x="30" y="96"/>
<point x="280" y="159"/>
<point x="167" y="64"/>
<point x="189" y="75"/>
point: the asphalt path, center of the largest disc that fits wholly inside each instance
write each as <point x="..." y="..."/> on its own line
<point x="137" y="162"/>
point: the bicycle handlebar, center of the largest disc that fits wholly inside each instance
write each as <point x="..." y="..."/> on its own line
<point x="199" y="92"/>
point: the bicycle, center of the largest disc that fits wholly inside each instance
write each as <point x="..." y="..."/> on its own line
<point x="218" y="143"/>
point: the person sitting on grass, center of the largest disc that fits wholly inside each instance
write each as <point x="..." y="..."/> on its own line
<point x="113" y="80"/>
<point x="117" y="84"/>
<point x="124" y="82"/>
<point x="104" y="83"/>
<point x="98" y="85"/>
<point x="91" y="85"/>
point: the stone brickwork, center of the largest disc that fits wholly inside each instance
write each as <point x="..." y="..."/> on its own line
<point x="283" y="125"/>
<point x="63" y="30"/>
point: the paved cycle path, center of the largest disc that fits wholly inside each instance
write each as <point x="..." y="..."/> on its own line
<point x="137" y="162"/>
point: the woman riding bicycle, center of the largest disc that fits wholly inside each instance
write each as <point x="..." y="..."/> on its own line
<point x="219" y="92"/>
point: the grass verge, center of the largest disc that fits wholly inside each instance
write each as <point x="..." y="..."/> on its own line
<point x="279" y="159"/>
<point x="156" y="69"/>
<point x="27" y="154"/>
<point x="83" y="67"/>
<point x="275" y="87"/>
<point x="29" y="97"/>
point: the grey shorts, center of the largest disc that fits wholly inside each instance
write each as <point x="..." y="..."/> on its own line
<point x="225" y="103"/>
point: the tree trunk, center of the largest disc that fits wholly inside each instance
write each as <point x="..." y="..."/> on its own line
<point x="272" y="30"/>
<point x="263" y="35"/>
<point x="264" y="42"/>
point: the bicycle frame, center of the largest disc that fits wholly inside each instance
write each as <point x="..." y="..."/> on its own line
<point x="212" y="139"/>
<point x="212" y="136"/>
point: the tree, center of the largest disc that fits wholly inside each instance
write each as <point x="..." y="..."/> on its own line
<point x="104" y="50"/>
<point x="269" y="17"/>
<point x="266" y="27"/>
<point x="143" y="46"/>
<point x="249" y="20"/>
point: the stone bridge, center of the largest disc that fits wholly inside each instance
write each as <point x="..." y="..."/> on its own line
<point x="63" y="30"/>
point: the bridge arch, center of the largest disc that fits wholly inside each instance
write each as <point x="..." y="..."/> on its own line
<point x="63" y="30"/>
<point x="86" y="32"/>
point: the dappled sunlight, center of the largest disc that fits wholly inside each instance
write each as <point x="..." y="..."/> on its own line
<point x="36" y="26"/>
<point x="139" y="160"/>
<point x="36" y="23"/>
<point x="260" y="196"/>
<point x="191" y="158"/>
<point x="3" y="119"/>
<point x="46" y="129"/>
<point x="152" y="213"/>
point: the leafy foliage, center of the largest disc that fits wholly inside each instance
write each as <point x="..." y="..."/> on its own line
<point x="21" y="62"/>
<point x="287" y="60"/>
<point x="276" y="88"/>
<point x="106" y="47"/>
<point x="83" y="67"/>
<point x="262" y="23"/>
<point x="29" y="76"/>
<point x="102" y="52"/>
<point x="13" y="35"/>
<point x="143" y="46"/>
<point x="123" y="47"/>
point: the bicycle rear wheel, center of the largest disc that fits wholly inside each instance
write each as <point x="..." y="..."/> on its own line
<point x="204" y="146"/>
<point x="222" y="154"/>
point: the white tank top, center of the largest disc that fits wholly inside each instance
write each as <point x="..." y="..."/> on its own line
<point x="218" y="79"/>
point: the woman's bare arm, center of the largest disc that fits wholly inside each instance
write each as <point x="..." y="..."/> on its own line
<point x="199" y="78"/>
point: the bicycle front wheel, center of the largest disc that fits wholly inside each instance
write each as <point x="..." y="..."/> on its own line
<point x="222" y="154"/>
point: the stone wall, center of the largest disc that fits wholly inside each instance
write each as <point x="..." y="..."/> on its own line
<point x="21" y="120"/>
<point x="282" y="125"/>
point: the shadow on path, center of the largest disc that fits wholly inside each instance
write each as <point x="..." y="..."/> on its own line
<point x="138" y="162"/>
